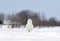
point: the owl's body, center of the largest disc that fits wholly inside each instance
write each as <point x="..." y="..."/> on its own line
<point x="29" y="25"/>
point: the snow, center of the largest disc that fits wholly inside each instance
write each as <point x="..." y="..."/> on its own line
<point x="37" y="34"/>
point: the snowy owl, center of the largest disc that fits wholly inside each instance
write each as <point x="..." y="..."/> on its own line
<point x="29" y="25"/>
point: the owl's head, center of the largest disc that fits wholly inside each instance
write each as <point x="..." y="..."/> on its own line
<point x="29" y="21"/>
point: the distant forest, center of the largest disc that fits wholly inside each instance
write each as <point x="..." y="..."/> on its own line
<point x="24" y="15"/>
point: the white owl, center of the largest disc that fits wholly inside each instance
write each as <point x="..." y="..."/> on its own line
<point x="29" y="25"/>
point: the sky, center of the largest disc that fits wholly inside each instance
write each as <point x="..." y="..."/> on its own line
<point x="51" y="8"/>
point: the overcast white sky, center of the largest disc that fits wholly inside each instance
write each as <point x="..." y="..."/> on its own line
<point x="49" y="7"/>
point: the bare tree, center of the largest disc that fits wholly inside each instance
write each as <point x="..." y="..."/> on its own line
<point x="2" y="17"/>
<point x="53" y="21"/>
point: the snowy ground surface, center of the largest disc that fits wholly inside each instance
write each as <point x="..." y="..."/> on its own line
<point x="37" y="34"/>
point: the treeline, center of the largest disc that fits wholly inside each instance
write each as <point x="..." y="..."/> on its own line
<point x="24" y="15"/>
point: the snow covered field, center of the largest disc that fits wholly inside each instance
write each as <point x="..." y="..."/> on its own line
<point x="37" y="34"/>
